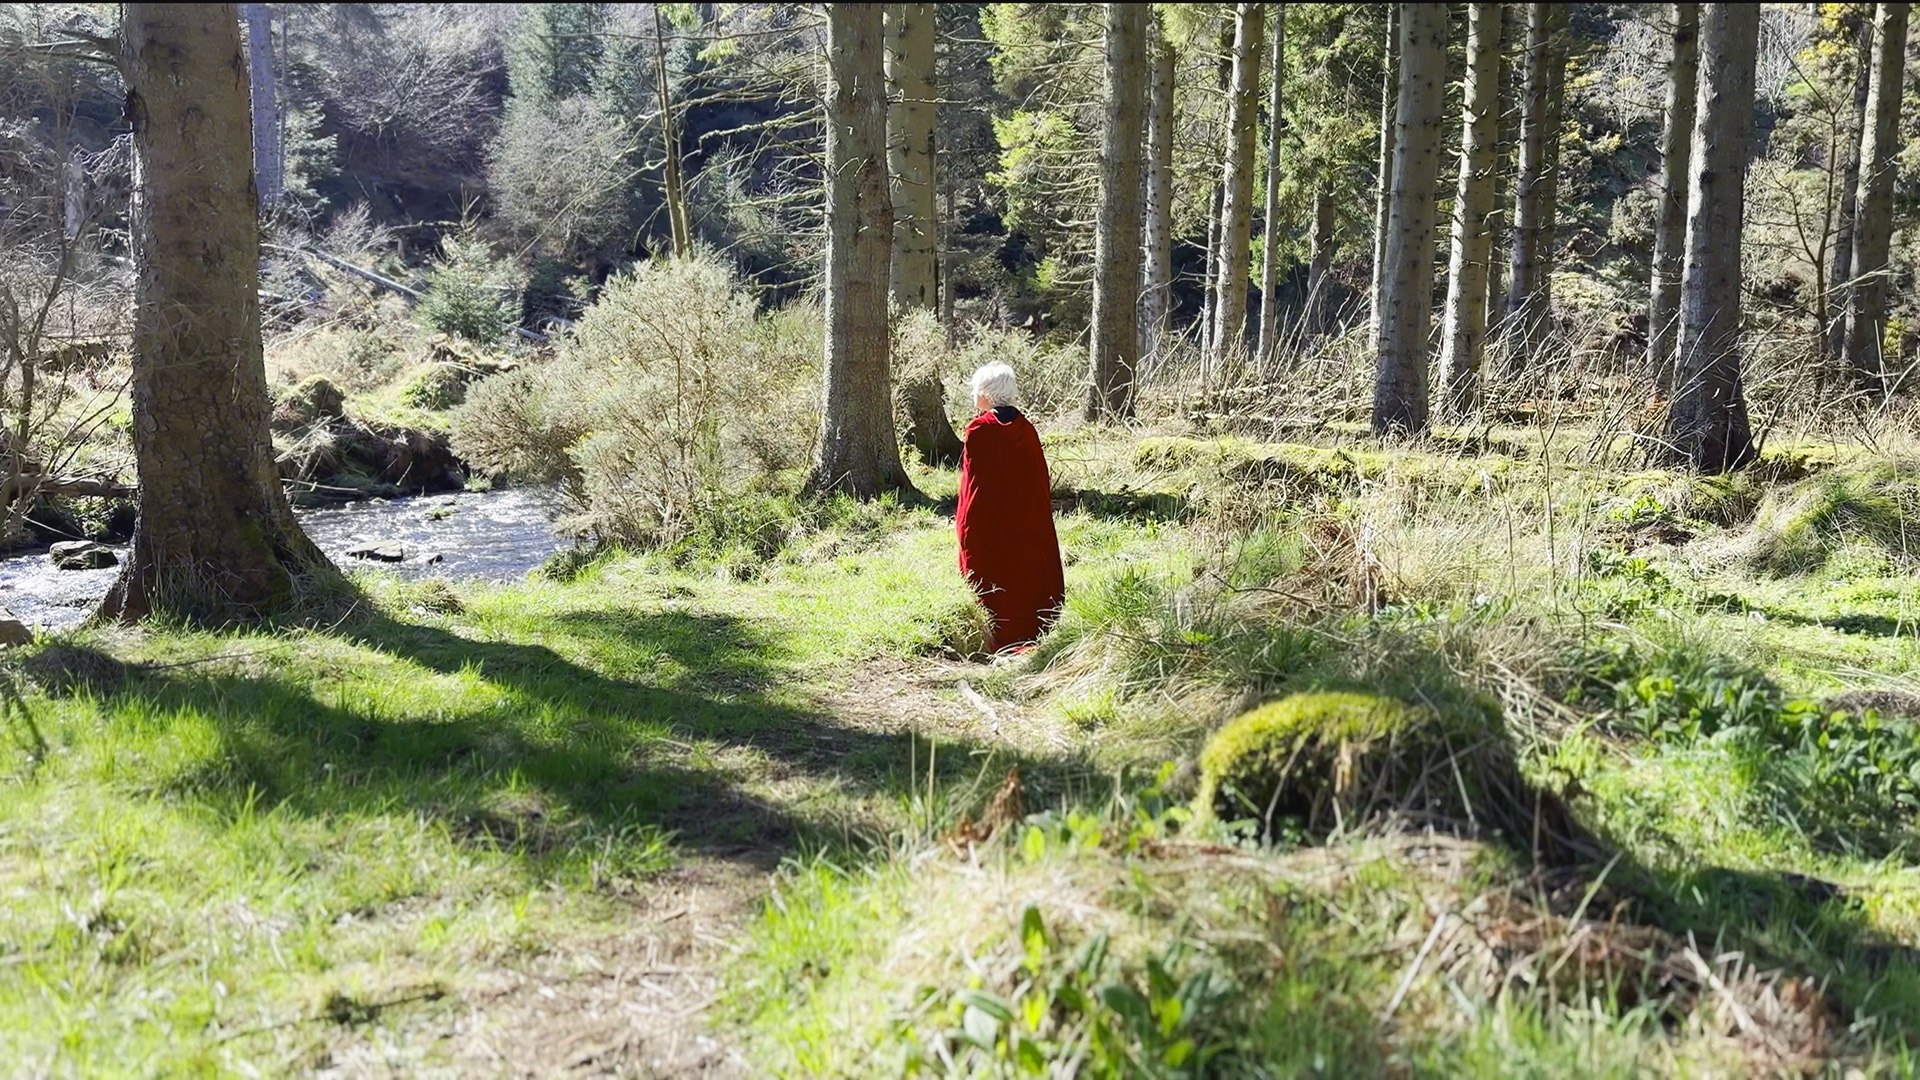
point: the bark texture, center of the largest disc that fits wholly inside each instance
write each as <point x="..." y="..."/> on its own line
<point x="1156" y="296"/>
<point x="1559" y="42"/>
<point x="1707" y="425"/>
<point x="1835" y="311"/>
<point x="679" y="225"/>
<point x="1670" y="230"/>
<point x="1873" y="210"/>
<point x="1317" y="314"/>
<point x="1236" y="207"/>
<point x="1524" y="315"/>
<point x="910" y="170"/>
<point x="1406" y="301"/>
<point x="1270" y="213"/>
<point x="269" y="163"/>
<point x="216" y="541"/>
<point x="1116" y="240"/>
<point x="858" y="452"/>
<point x="1464" y="328"/>
<point x="1389" y="104"/>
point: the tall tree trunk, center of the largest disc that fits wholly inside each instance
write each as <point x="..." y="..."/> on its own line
<point x="1523" y="282"/>
<point x="216" y="540"/>
<point x="262" y="90"/>
<point x="1559" y="42"/>
<point x="912" y="187"/>
<point x="1500" y="221"/>
<point x="1464" y="328"/>
<point x="679" y="225"/>
<point x="1236" y="208"/>
<point x="1270" y="216"/>
<point x="1389" y="103"/>
<point x="1834" y="332"/>
<point x="1315" y="316"/>
<point x="1406" y="295"/>
<point x="1116" y="242"/>
<point x="858" y="453"/>
<point x="1156" y="295"/>
<point x="1670" y="231"/>
<point x="1707" y="423"/>
<point x="1873" y="220"/>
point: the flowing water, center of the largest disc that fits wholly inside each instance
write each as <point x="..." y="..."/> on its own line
<point x="491" y="536"/>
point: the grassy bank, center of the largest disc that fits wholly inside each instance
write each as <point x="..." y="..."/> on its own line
<point x="749" y="805"/>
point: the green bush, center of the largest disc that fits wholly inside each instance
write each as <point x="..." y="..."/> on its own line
<point x="435" y="385"/>
<point x="469" y="293"/>
<point x="669" y="399"/>
<point x="310" y="401"/>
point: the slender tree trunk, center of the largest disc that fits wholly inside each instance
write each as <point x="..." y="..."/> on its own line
<point x="858" y="452"/>
<point x="1546" y="254"/>
<point x="1873" y="220"/>
<point x="1236" y="208"/>
<point x="1117" y="231"/>
<point x="1406" y="300"/>
<point x="1523" y="315"/>
<point x="1464" y="328"/>
<point x="1707" y="425"/>
<point x="912" y="187"/>
<point x="1499" y="222"/>
<point x="268" y="160"/>
<point x="1834" y="332"/>
<point x="1314" y="317"/>
<point x="1270" y="217"/>
<point x="1389" y="103"/>
<point x="1156" y="296"/>
<point x="678" y="223"/>
<point x="1670" y="231"/>
<point x="216" y="540"/>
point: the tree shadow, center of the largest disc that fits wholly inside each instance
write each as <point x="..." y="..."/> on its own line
<point x="564" y="759"/>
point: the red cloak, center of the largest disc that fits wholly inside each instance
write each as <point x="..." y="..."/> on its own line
<point x="1008" y="550"/>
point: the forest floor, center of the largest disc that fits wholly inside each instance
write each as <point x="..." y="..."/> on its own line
<point x="752" y="810"/>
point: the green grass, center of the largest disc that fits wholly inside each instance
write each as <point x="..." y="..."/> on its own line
<point x="347" y="842"/>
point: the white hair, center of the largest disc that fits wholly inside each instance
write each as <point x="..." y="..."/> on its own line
<point x="995" y="383"/>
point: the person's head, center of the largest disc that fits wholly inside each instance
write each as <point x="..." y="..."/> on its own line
<point x="993" y="386"/>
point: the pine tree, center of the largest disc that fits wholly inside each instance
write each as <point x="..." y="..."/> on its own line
<point x="1115" y="351"/>
<point x="1405" y="302"/>
<point x="1670" y="229"/>
<point x="1463" y="331"/>
<point x="1873" y="212"/>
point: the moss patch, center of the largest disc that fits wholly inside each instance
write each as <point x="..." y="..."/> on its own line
<point x="1873" y="504"/>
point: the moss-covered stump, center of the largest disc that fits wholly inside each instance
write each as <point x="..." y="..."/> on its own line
<point x="1872" y="507"/>
<point x="311" y="401"/>
<point x="1326" y="761"/>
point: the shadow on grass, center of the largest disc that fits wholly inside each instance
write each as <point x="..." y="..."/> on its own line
<point x="564" y="759"/>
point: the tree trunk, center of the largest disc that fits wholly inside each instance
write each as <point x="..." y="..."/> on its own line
<point x="679" y="225"/>
<point x="858" y="452"/>
<point x="1389" y="103"/>
<point x="1873" y="211"/>
<point x="910" y="168"/>
<point x="1707" y="424"/>
<point x="1523" y="316"/>
<point x="1464" y="328"/>
<point x="1270" y="217"/>
<point x="1499" y="222"/>
<point x="262" y="91"/>
<point x="1156" y="297"/>
<point x="1236" y="209"/>
<point x="216" y="540"/>
<point x="1559" y="38"/>
<point x="1406" y="300"/>
<point x="1314" y="317"/>
<point x="1116" y="243"/>
<point x="1834" y="332"/>
<point x="1670" y="231"/>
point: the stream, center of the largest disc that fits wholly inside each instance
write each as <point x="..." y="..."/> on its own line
<point x="489" y="535"/>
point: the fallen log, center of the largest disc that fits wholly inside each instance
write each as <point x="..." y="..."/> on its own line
<point x="412" y="294"/>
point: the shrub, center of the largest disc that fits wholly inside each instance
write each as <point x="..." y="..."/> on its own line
<point x="310" y="401"/>
<point x="357" y="360"/>
<point x="436" y="385"/>
<point x="1051" y="380"/>
<point x="668" y="399"/>
<point x="469" y="293"/>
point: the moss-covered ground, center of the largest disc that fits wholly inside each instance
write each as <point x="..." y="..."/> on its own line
<point x="750" y="807"/>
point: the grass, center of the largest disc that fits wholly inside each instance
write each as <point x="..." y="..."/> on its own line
<point x="746" y="807"/>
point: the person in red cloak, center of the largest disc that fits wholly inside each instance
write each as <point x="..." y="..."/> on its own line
<point x="1008" y="550"/>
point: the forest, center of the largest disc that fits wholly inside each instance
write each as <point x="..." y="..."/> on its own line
<point x="491" y="502"/>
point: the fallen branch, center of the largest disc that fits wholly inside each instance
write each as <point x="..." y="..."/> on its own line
<point x="412" y="294"/>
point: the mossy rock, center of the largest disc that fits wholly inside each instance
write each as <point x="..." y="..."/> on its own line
<point x="313" y="400"/>
<point x="1323" y="761"/>
<point x="1798" y="530"/>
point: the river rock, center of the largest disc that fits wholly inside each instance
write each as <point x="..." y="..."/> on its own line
<point x="378" y="553"/>
<point x="82" y="555"/>
<point x="13" y="631"/>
